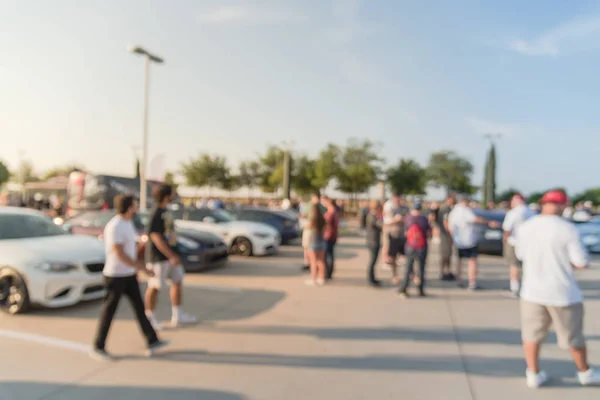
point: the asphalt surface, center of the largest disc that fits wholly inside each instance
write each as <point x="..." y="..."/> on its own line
<point x="264" y="335"/>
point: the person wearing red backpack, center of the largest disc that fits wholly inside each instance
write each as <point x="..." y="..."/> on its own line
<point x="418" y="231"/>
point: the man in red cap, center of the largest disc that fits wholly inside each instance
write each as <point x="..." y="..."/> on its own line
<point x="519" y="213"/>
<point x="550" y="249"/>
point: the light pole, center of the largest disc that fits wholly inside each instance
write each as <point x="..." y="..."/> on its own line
<point x="144" y="167"/>
<point x="287" y="187"/>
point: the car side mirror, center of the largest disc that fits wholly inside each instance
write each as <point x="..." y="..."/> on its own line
<point x="209" y="220"/>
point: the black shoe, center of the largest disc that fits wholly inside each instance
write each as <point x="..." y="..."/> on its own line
<point x="445" y="277"/>
<point x="159" y="344"/>
<point x="422" y="293"/>
<point x="375" y="283"/>
<point x="306" y="268"/>
<point x="451" y="277"/>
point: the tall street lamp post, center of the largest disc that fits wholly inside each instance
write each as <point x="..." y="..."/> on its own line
<point x="144" y="164"/>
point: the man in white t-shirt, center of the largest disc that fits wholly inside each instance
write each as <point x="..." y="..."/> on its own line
<point x="519" y="212"/>
<point x="550" y="249"/>
<point x="461" y="225"/>
<point x="120" y="276"/>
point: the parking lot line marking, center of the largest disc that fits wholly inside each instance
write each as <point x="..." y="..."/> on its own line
<point x="45" y="340"/>
<point x="215" y="287"/>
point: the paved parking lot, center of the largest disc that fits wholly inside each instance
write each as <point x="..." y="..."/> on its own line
<point x="266" y="336"/>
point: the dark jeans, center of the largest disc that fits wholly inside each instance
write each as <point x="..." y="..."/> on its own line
<point x="115" y="287"/>
<point x="330" y="258"/>
<point x="374" y="252"/>
<point x="411" y="257"/>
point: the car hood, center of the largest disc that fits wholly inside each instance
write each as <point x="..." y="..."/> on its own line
<point x="200" y="236"/>
<point x="255" y="227"/>
<point x="61" y="248"/>
<point x="226" y="228"/>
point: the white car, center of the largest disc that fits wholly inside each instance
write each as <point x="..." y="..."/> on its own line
<point x="243" y="238"/>
<point x="42" y="264"/>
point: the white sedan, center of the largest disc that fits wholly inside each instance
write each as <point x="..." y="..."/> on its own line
<point x="243" y="238"/>
<point x="41" y="264"/>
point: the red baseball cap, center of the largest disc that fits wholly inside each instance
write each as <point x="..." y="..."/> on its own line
<point x="517" y="196"/>
<point x="555" y="197"/>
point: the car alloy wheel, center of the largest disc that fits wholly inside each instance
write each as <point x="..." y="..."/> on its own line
<point x="14" y="297"/>
<point x="242" y="247"/>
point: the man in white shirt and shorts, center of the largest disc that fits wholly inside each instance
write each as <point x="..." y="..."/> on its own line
<point x="461" y="224"/>
<point x="550" y="249"/>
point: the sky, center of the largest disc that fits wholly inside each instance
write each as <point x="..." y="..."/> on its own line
<point x="415" y="76"/>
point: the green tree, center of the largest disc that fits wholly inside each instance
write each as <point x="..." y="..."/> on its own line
<point x="327" y="166"/>
<point x="230" y="183"/>
<point x="507" y="194"/>
<point x="592" y="194"/>
<point x="359" y="167"/>
<point x="304" y="176"/>
<point x="62" y="171"/>
<point x="249" y="175"/>
<point x="4" y="174"/>
<point x="271" y="169"/>
<point x="169" y="179"/>
<point x="407" y="177"/>
<point x="448" y="170"/>
<point x="205" y="170"/>
<point x="489" y="183"/>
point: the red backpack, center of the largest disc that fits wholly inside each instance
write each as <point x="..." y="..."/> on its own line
<point x="415" y="237"/>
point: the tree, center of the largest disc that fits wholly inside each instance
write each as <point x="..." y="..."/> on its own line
<point x="25" y="173"/>
<point x="448" y="170"/>
<point x="271" y="169"/>
<point x="230" y="183"/>
<point x="249" y="174"/>
<point x="62" y="171"/>
<point x="4" y="174"/>
<point x="407" y="177"/>
<point x="205" y="170"/>
<point x="507" y="194"/>
<point x="304" y="176"/>
<point x="592" y="194"/>
<point x="169" y="179"/>
<point x="489" y="183"/>
<point x="359" y="167"/>
<point x="327" y="166"/>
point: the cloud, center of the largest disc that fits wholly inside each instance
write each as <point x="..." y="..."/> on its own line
<point x="242" y="14"/>
<point x="482" y="127"/>
<point x="556" y="40"/>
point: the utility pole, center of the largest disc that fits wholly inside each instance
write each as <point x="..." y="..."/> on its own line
<point x="287" y="173"/>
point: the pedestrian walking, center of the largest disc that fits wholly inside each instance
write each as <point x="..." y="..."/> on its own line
<point x="518" y="213"/>
<point x="550" y="249"/>
<point x="316" y="245"/>
<point x="446" y="243"/>
<point x="461" y="223"/>
<point x="373" y="227"/>
<point x="164" y="260"/>
<point x="330" y="234"/>
<point x="393" y="235"/>
<point x="120" y="277"/>
<point x="418" y="231"/>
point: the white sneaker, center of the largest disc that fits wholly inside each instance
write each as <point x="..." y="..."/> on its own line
<point x="183" y="318"/>
<point x="534" y="380"/>
<point x="310" y="282"/>
<point x="386" y="266"/>
<point x="155" y="324"/>
<point x="320" y="282"/>
<point x="589" y="377"/>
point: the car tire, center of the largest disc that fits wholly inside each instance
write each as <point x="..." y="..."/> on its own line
<point x="242" y="247"/>
<point x="14" y="296"/>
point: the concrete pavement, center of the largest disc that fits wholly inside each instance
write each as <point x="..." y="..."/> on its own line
<point x="266" y="336"/>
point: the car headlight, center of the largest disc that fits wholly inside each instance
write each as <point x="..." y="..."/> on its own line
<point x="261" y="235"/>
<point x="56" y="267"/>
<point x="189" y="243"/>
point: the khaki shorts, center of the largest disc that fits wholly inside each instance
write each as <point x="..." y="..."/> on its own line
<point x="536" y="320"/>
<point x="162" y="271"/>
<point x="510" y="256"/>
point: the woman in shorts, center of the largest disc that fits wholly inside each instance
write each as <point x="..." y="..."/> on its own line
<point x="315" y="243"/>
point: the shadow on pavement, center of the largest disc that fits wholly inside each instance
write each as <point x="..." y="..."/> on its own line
<point x="299" y="254"/>
<point x="476" y="365"/>
<point x="206" y="304"/>
<point x="267" y="267"/>
<point x="37" y="390"/>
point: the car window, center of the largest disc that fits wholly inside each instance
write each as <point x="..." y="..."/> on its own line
<point x="197" y="214"/>
<point x="177" y="213"/>
<point x="22" y="226"/>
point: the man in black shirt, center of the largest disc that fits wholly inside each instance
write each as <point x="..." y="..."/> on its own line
<point x="163" y="260"/>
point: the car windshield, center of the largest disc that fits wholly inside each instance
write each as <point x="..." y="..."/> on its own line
<point x="24" y="226"/>
<point x="223" y="216"/>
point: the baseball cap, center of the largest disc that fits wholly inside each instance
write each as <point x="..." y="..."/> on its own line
<point x="417" y="205"/>
<point x="555" y="197"/>
<point x="518" y="196"/>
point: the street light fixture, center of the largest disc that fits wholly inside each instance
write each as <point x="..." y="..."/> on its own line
<point x="144" y="167"/>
